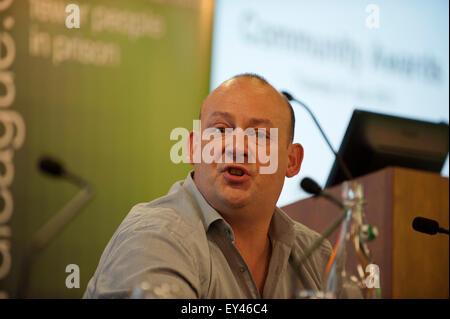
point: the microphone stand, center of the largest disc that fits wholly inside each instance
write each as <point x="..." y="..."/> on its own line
<point x="52" y="228"/>
<point x="327" y="232"/>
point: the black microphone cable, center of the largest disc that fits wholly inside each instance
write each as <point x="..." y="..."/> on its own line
<point x="341" y="162"/>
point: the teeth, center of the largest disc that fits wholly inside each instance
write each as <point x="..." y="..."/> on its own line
<point x="236" y="171"/>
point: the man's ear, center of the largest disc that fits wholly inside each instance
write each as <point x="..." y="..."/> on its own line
<point x="295" y="159"/>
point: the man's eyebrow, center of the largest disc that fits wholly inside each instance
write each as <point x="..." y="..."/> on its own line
<point x="226" y="115"/>
<point x="256" y="121"/>
<point x="251" y="121"/>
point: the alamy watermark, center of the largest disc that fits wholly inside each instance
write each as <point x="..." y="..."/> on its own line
<point x="373" y="278"/>
<point x="227" y="145"/>
<point x="373" y="19"/>
<point x="73" y="279"/>
<point x="73" y="19"/>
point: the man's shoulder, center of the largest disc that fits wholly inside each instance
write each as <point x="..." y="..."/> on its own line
<point x="154" y="216"/>
<point x="174" y="217"/>
<point x="148" y="214"/>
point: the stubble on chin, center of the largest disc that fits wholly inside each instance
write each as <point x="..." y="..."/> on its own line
<point x="232" y="198"/>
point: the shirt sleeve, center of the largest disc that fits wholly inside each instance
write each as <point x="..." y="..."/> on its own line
<point x="148" y="257"/>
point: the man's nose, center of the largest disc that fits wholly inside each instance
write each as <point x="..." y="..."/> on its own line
<point x="236" y="154"/>
<point x="236" y="147"/>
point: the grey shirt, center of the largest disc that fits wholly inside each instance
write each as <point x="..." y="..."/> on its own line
<point x="178" y="246"/>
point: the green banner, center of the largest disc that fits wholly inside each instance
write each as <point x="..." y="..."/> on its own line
<point x="101" y="94"/>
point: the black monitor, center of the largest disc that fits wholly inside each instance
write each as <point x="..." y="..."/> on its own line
<point x="374" y="141"/>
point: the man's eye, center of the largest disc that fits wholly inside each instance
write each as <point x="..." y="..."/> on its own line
<point x="262" y="134"/>
<point x="221" y="129"/>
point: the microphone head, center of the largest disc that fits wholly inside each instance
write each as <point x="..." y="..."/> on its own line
<point x="425" y="225"/>
<point x="287" y="95"/>
<point x="51" y="166"/>
<point x="310" y="186"/>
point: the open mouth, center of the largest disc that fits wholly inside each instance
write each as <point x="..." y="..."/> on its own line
<point x="235" y="174"/>
<point x="235" y="171"/>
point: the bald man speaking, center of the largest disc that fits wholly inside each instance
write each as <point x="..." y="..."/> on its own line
<point x="218" y="233"/>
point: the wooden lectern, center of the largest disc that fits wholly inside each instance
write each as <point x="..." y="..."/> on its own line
<point x="412" y="264"/>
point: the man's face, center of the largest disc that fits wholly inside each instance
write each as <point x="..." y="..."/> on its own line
<point x="246" y="103"/>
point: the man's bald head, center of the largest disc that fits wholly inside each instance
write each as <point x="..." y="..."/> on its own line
<point x="260" y="81"/>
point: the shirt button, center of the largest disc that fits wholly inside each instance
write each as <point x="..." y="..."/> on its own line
<point x="242" y="269"/>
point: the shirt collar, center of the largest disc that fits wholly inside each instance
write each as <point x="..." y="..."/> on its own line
<point x="282" y="227"/>
<point x="209" y="214"/>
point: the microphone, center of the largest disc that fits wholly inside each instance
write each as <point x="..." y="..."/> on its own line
<point x="56" y="224"/>
<point x="51" y="166"/>
<point x="310" y="186"/>
<point x="342" y="164"/>
<point x="427" y="226"/>
<point x="54" y="168"/>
